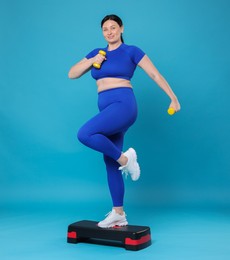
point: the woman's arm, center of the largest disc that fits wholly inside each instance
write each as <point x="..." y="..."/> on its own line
<point x="154" y="74"/>
<point x="84" y="66"/>
<point x="80" y="68"/>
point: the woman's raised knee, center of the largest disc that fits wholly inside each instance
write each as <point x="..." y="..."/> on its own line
<point x="82" y="136"/>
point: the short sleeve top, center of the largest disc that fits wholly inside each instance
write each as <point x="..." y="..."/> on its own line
<point x="119" y="63"/>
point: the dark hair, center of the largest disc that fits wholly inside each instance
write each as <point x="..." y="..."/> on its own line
<point x="115" y="18"/>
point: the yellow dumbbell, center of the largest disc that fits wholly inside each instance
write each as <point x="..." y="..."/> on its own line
<point x="171" y="111"/>
<point x="98" y="65"/>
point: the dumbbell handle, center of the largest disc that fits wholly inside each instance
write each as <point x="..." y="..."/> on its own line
<point x="96" y="64"/>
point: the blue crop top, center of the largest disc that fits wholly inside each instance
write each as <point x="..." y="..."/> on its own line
<point x="119" y="63"/>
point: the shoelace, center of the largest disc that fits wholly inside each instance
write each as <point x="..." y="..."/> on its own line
<point x="108" y="215"/>
<point x="124" y="170"/>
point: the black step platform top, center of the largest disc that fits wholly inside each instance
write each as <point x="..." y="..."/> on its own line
<point x="132" y="237"/>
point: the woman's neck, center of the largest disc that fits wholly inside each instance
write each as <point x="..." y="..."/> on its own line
<point x="113" y="46"/>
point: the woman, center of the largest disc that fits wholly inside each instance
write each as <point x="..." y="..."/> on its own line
<point x="118" y="109"/>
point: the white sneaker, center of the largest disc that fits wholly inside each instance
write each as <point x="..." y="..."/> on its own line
<point x="132" y="167"/>
<point x="113" y="219"/>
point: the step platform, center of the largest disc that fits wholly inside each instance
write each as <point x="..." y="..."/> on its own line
<point x="130" y="237"/>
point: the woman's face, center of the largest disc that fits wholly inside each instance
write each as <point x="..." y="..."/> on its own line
<point x="112" y="31"/>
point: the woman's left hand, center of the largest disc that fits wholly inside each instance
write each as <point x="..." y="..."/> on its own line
<point x="175" y="105"/>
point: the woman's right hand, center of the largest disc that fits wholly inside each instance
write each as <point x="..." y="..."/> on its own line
<point x="99" y="58"/>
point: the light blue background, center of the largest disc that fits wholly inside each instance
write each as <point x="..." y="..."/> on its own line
<point x="184" y="159"/>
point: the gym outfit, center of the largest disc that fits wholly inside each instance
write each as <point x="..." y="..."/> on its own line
<point x="118" y="111"/>
<point x="119" y="63"/>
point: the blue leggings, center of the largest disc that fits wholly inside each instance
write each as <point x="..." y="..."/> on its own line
<point x="105" y="133"/>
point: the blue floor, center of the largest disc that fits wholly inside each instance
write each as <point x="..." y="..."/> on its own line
<point x="37" y="232"/>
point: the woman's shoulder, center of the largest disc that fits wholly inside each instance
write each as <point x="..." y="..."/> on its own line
<point x="134" y="52"/>
<point x="131" y="48"/>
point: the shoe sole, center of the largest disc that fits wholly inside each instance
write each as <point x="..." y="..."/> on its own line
<point x="120" y="224"/>
<point x="134" y="156"/>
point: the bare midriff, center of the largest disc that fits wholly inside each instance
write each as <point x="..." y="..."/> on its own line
<point x="109" y="83"/>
